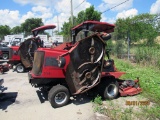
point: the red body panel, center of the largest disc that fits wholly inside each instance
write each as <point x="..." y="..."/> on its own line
<point x="15" y="57"/>
<point x="53" y="71"/>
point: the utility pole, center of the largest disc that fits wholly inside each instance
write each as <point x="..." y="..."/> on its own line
<point x="72" y="20"/>
<point x="71" y="13"/>
<point x="57" y="23"/>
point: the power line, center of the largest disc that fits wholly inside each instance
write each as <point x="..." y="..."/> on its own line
<point x="79" y="4"/>
<point x="115" y="6"/>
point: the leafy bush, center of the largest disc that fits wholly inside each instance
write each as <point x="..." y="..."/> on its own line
<point x="148" y="56"/>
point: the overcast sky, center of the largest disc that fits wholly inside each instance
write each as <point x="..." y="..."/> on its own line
<point x="14" y="12"/>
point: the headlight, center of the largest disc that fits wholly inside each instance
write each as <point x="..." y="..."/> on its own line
<point x="61" y="62"/>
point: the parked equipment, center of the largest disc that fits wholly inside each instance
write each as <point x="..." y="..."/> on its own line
<point x="4" y="51"/>
<point x="76" y="67"/>
<point x="22" y="56"/>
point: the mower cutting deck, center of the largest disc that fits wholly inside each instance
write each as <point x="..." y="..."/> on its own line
<point x="126" y="87"/>
<point x="129" y="87"/>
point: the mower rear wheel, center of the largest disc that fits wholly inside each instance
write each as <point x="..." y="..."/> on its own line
<point x="109" y="89"/>
<point x="20" y="68"/>
<point x="58" y="96"/>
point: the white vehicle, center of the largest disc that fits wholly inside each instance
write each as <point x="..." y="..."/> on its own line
<point x="47" y="44"/>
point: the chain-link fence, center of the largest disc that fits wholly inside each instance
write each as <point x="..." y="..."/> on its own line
<point x="137" y="53"/>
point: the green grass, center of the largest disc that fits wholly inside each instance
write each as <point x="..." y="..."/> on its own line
<point x="147" y="55"/>
<point x="149" y="78"/>
<point x="113" y="110"/>
<point x="149" y="82"/>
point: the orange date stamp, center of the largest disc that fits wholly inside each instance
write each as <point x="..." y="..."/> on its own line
<point x="138" y="103"/>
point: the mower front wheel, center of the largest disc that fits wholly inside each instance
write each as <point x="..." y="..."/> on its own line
<point x="109" y="89"/>
<point x="58" y="96"/>
<point x="20" y="68"/>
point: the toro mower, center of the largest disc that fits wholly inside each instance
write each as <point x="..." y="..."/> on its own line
<point x="22" y="56"/>
<point x="79" y="66"/>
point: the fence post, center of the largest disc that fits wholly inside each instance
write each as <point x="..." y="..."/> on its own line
<point x="128" y="41"/>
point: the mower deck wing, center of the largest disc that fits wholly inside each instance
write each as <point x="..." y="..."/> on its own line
<point x="84" y="71"/>
<point x="27" y="48"/>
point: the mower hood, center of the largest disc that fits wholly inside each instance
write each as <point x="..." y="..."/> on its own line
<point x="94" y="26"/>
<point x="42" y="28"/>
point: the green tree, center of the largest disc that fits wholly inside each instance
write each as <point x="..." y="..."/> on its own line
<point x="139" y="27"/>
<point x="4" y="30"/>
<point x="16" y="30"/>
<point x="30" y="24"/>
<point x="81" y="17"/>
<point x="157" y="23"/>
<point x="92" y="14"/>
<point x="66" y="30"/>
<point x="89" y="14"/>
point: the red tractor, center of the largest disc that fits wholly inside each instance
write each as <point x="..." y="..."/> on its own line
<point x="79" y="66"/>
<point x="22" y="56"/>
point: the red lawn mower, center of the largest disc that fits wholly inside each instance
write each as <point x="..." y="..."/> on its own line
<point x="22" y="56"/>
<point x="79" y="66"/>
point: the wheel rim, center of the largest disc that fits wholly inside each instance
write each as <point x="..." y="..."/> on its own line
<point x="112" y="90"/>
<point x="20" y="68"/>
<point x="5" y="56"/>
<point x="60" y="97"/>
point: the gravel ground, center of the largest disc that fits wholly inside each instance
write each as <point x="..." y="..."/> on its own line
<point x="21" y="101"/>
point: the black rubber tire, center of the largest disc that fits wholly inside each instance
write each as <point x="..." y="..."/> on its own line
<point x="57" y="90"/>
<point x="18" y="66"/>
<point x="5" y="56"/>
<point x="109" y="89"/>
